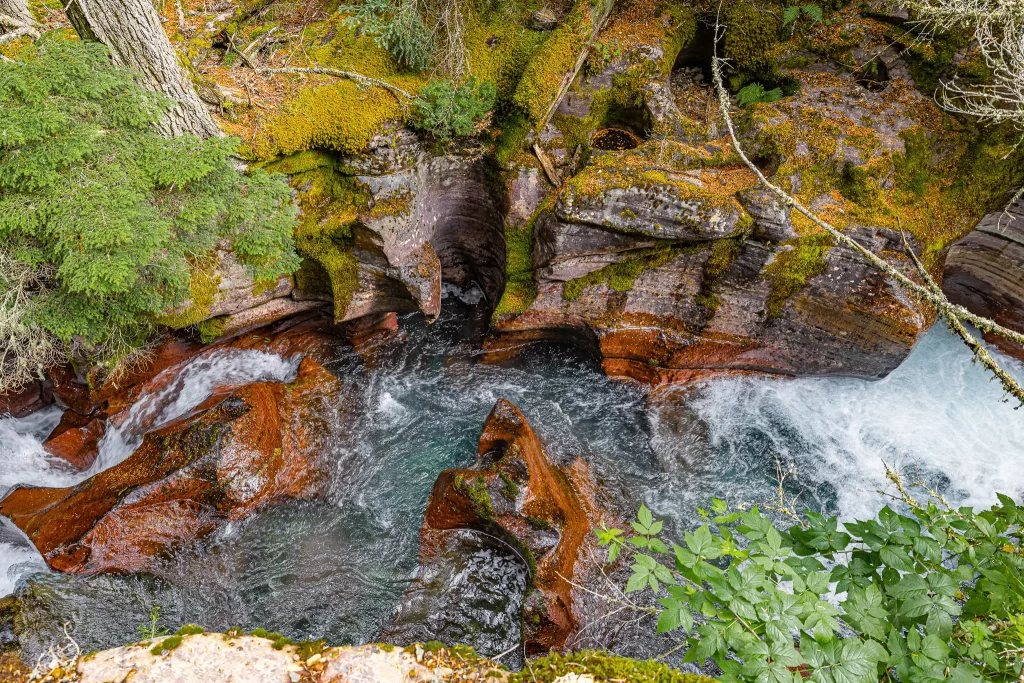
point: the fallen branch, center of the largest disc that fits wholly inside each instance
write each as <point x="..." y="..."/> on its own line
<point x="357" y="77"/>
<point x="19" y="33"/>
<point x="980" y="352"/>
<point x="581" y="59"/>
<point x="545" y="163"/>
<point x="927" y="292"/>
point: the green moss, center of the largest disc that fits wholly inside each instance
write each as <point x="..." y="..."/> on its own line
<point x="603" y="666"/>
<point x="386" y="647"/>
<point x="622" y="275"/>
<point x="202" y="293"/>
<point x="212" y="328"/>
<point x="299" y="162"/>
<point x="166" y="645"/>
<point x="682" y="29"/>
<point x="538" y="523"/>
<point x="479" y="497"/>
<point x="520" y="287"/>
<point x="511" y="141"/>
<point x="543" y="76"/>
<point x="857" y="185"/>
<point x="751" y="39"/>
<point x="723" y="254"/>
<point x="190" y="630"/>
<point x="499" y="51"/>
<point x="308" y="648"/>
<point x="913" y="166"/>
<point x="331" y="203"/>
<point x="279" y="640"/>
<point x="509" y="489"/>
<point x="791" y="269"/>
<point x="336" y="113"/>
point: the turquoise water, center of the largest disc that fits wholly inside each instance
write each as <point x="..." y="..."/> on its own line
<point x="338" y="570"/>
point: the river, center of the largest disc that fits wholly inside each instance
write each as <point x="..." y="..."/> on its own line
<point x="337" y="570"/>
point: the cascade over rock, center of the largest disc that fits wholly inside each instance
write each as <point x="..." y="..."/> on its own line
<point x="241" y="450"/>
<point x="984" y="272"/>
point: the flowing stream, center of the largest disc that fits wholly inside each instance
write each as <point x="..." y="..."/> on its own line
<point x="338" y="570"/>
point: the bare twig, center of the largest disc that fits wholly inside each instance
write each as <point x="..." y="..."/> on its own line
<point x="928" y="293"/>
<point x="359" y="78"/>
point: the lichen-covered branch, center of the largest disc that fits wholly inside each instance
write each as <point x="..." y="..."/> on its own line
<point x="362" y="79"/>
<point x="938" y="301"/>
<point x="927" y="291"/>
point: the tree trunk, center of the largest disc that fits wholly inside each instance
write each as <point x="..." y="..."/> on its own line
<point x="132" y="31"/>
<point x="18" y="11"/>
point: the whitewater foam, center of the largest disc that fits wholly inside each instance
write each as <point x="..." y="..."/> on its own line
<point x="937" y="417"/>
<point x="23" y="460"/>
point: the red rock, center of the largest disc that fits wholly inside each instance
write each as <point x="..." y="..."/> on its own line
<point x="551" y="515"/>
<point x="35" y="396"/>
<point x="70" y="392"/>
<point x="78" y="445"/>
<point x="258" y="445"/>
<point x="370" y="331"/>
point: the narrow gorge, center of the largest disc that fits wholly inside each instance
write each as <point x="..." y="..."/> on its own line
<point x="371" y="383"/>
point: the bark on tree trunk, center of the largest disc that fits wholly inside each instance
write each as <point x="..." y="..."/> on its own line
<point x="18" y="11"/>
<point x="132" y="31"/>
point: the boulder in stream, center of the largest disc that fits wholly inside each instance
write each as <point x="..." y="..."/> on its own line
<point x="546" y="512"/>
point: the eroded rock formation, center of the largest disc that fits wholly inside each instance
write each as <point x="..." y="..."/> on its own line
<point x="985" y="272"/>
<point x="241" y="450"/>
<point x="546" y="511"/>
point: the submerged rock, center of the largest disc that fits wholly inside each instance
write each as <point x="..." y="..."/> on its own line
<point x="984" y="272"/>
<point x="241" y="450"/>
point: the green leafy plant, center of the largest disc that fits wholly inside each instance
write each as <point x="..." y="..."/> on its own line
<point x="935" y="594"/>
<point x="792" y="14"/>
<point x="101" y="219"/>
<point x="154" y="629"/>
<point x="754" y="93"/>
<point x="398" y="28"/>
<point x="446" y="111"/>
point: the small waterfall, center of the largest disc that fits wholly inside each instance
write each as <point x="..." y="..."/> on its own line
<point x="23" y="460"/>
<point x="939" y="418"/>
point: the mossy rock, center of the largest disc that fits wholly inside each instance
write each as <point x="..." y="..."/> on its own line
<point x="603" y="667"/>
<point x="751" y="41"/>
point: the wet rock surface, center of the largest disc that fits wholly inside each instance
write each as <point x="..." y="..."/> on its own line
<point x="240" y="450"/>
<point x="984" y="272"/>
<point x="544" y="512"/>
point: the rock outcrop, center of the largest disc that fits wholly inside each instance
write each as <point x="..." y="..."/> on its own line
<point x="242" y="449"/>
<point x="666" y="259"/>
<point x="381" y="230"/>
<point x="984" y="272"/>
<point x="218" y="657"/>
<point x="546" y="511"/>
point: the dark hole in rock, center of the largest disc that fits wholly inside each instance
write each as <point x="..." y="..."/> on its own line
<point x="874" y="76"/>
<point x="697" y="55"/>
<point x="615" y="139"/>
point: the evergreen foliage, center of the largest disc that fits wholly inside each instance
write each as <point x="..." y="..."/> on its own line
<point x="931" y="595"/>
<point x="448" y="111"/>
<point x="101" y="218"/>
<point x="396" y="27"/>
